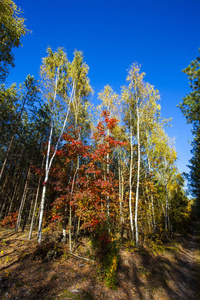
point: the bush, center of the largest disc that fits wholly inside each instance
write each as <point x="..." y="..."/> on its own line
<point x="9" y="221"/>
<point x="47" y="251"/>
<point x="106" y="248"/>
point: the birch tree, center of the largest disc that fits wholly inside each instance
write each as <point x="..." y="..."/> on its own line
<point x="134" y="95"/>
<point x="150" y="121"/>
<point x="164" y="155"/>
<point x="63" y="82"/>
<point x="55" y="82"/>
<point x="141" y="113"/>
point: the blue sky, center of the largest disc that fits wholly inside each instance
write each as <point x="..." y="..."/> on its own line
<point x="162" y="35"/>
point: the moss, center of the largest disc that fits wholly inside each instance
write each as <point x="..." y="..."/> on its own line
<point x="74" y="295"/>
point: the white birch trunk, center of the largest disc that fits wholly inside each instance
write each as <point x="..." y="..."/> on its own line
<point x="42" y="204"/>
<point x="121" y="193"/>
<point x="49" y="161"/>
<point x="130" y="183"/>
<point x="166" y="200"/>
<point x="138" y="178"/>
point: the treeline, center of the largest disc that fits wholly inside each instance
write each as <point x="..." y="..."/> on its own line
<point x="190" y="107"/>
<point x="65" y="162"/>
<point x="57" y="165"/>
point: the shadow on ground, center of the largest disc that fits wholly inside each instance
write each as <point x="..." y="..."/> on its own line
<point x="141" y="275"/>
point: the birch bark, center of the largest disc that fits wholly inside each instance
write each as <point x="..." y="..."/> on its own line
<point x="138" y="177"/>
<point x="130" y="182"/>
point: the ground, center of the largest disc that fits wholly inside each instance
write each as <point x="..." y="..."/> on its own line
<point x="162" y="272"/>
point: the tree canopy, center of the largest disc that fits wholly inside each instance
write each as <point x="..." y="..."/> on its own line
<point x="190" y="107"/>
<point x="12" y="28"/>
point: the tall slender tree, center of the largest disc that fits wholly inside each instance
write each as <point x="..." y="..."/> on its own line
<point x="55" y="81"/>
<point x="135" y="95"/>
<point x="68" y="82"/>
<point x="29" y="93"/>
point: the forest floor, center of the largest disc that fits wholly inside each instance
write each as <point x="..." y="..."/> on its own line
<point x="170" y="272"/>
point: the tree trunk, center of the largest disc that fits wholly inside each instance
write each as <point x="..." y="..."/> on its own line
<point x="70" y="228"/>
<point x="166" y="201"/>
<point x="12" y="138"/>
<point x="107" y="176"/>
<point x="130" y="184"/>
<point x="121" y="194"/>
<point x="27" y="212"/>
<point x="138" y="178"/>
<point x="41" y="213"/>
<point x="166" y="210"/>
<point x="13" y="196"/>
<point x="34" y="209"/>
<point x="31" y="208"/>
<point x="70" y="207"/>
<point x="152" y="202"/>
<point x="49" y="161"/>
<point x="64" y="222"/>
<point x="44" y="185"/>
<point x="3" y="190"/>
<point x="22" y="201"/>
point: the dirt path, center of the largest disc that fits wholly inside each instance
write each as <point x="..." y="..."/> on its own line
<point x="171" y="273"/>
<point x="174" y="274"/>
<point x="187" y="266"/>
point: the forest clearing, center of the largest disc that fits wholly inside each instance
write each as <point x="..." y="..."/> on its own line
<point x="166" y="271"/>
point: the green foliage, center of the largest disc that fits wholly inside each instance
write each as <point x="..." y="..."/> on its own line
<point x="54" y="75"/>
<point x="8" y="107"/>
<point x="12" y="28"/>
<point x="190" y="107"/>
<point x="106" y="248"/>
<point x="155" y="243"/>
<point x="78" y="295"/>
<point x="180" y="210"/>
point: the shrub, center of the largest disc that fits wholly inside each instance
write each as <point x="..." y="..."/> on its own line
<point x="10" y="220"/>
<point x="47" y="251"/>
<point x="106" y="248"/>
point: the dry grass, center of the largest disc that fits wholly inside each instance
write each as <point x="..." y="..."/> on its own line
<point x="169" y="272"/>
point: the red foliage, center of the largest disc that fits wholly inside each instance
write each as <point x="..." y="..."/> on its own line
<point x="10" y="220"/>
<point x="37" y="171"/>
<point x="87" y="187"/>
<point x="54" y="218"/>
<point x="105" y="238"/>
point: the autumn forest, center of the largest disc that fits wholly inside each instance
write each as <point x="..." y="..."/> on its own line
<point x="107" y="172"/>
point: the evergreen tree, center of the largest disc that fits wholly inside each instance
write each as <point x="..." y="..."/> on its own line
<point x="190" y="107"/>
